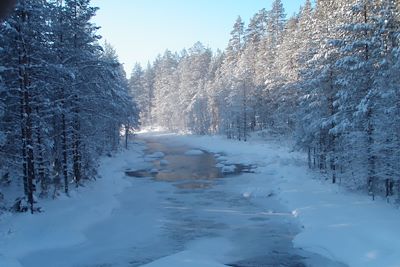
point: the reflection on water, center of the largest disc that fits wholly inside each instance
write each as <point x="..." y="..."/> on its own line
<point x="201" y="208"/>
<point x="177" y="166"/>
<point x="194" y="185"/>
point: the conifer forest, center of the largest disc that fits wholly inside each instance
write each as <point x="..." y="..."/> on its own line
<point x="64" y="98"/>
<point x="326" y="77"/>
<point x="281" y="148"/>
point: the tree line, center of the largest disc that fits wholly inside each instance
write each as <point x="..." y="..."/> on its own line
<point x="326" y="76"/>
<point x="63" y="99"/>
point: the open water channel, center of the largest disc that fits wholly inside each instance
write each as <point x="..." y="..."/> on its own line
<point x="181" y="201"/>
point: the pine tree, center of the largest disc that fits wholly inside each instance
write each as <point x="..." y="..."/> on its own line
<point x="138" y="90"/>
<point x="165" y="93"/>
<point x="319" y="87"/>
<point x="360" y="52"/>
<point x="63" y="98"/>
<point x="26" y="51"/>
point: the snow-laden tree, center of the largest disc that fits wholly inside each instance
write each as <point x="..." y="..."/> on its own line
<point x="25" y="51"/>
<point x="63" y="98"/>
<point x="122" y="110"/>
<point x="4" y="178"/>
<point x="232" y="85"/>
<point x="326" y="76"/>
<point x="138" y="89"/>
<point x="212" y="86"/>
<point x="193" y="70"/>
<point x="360" y="55"/>
<point x="166" y="86"/>
<point x="319" y="89"/>
<point x="249" y="69"/>
<point x="148" y="83"/>
<point x="383" y="99"/>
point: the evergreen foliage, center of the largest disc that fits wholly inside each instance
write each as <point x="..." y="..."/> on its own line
<point x="327" y="77"/>
<point x="63" y="99"/>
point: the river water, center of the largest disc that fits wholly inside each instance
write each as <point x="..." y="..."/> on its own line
<point x="202" y="208"/>
<point x="182" y="202"/>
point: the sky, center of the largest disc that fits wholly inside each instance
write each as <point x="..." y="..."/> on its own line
<point x="139" y="30"/>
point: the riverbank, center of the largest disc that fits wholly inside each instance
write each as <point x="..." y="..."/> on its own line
<point x="343" y="226"/>
<point x="65" y="220"/>
<point x="125" y="221"/>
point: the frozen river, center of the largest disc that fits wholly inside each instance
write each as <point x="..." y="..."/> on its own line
<point x="181" y="210"/>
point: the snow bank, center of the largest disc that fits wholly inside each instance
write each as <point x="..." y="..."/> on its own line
<point x="185" y="259"/>
<point x="207" y="252"/>
<point x="343" y="226"/>
<point x="65" y="219"/>
<point x="228" y="169"/>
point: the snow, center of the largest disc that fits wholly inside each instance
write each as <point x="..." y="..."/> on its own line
<point x="222" y="158"/>
<point x="343" y="226"/>
<point x="65" y="220"/>
<point x="228" y="169"/>
<point x="103" y="223"/>
<point x="156" y="155"/>
<point x="164" y="162"/>
<point x="154" y="171"/>
<point x="219" y="165"/>
<point x="184" y="259"/>
<point x="194" y="152"/>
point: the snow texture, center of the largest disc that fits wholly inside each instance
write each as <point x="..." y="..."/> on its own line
<point x="342" y="226"/>
<point x="164" y="162"/>
<point x="228" y="169"/>
<point x="66" y="220"/>
<point x="194" y="152"/>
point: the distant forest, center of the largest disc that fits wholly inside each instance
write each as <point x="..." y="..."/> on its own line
<point x="327" y="77"/>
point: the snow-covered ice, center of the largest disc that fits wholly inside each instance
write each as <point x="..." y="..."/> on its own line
<point x="228" y="169"/>
<point x="120" y="220"/>
<point x="343" y="226"/>
<point x="194" y="152"/>
<point x="154" y="171"/>
<point x="155" y="155"/>
<point x="164" y="162"/>
<point x="219" y="165"/>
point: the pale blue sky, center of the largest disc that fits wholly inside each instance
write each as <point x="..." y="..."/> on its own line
<point x="141" y="29"/>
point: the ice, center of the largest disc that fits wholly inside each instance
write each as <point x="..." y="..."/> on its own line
<point x="164" y="162"/>
<point x="369" y="228"/>
<point x="194" y="152"/>
<point x="156" y="155"/>
<point x="219" y="165"/>
<point x="119" y="220"/>
<point x="185" y="259"/>
<point x="228" y="169"/>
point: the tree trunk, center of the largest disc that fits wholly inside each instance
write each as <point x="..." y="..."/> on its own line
<point x="64" y="153"/>
<point x="26" y="116"/>
<point x="126" y="135"/>
<point x="77" y="146"/>
<point x="371" y="157"/>
<point x="40" y="161"/>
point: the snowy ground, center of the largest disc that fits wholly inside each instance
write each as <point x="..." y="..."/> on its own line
<point x="66" y="221"/>
<point x="125" y="221"/>
<point x="342" y="226"/>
